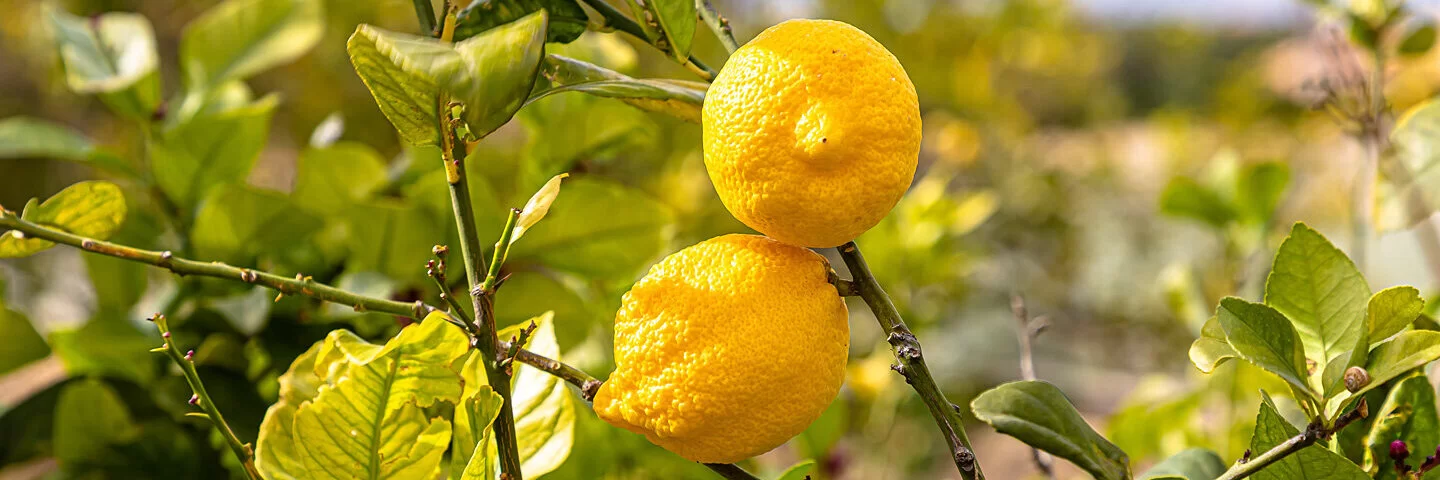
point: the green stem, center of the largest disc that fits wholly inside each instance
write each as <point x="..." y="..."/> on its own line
<point x="1313" y="433"/>
<point x="615" y="19"/>
<point x="718" y="24"/>
<point x="242" y="450"/>
<point x="912" y="363"/>
<point x="181" y="266"/>
<point x="425" y="13"/>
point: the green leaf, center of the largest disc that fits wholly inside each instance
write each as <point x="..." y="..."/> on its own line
<point x="1189" y="464"/>
<point x="538" y="205"/>
<point x="798" y="471"/>
<point x="247" y="311"/>
<point x="1418" y="39"/>
<point x="107" y="347"/>
<point x="408" y="100"/>
<point x="1408" y="351"/>
<point x="22" y="344"/>
<point x="669" y="23"/>
<point x="1185" y="198"/>
<point x="1258" y="190"/>
<point x="671" y="97"/>
<point x="26" y="137"/>
<point x="89" y="420"/>
<point x="368" y="416"/>
<point x="236" y="223"/>
<point x="491" y="73"/>
<point x="567" y="18"/>
<point x="112" y="54"/>
<point x="1408" y="414"/>
<point x="1411" y="188"/>
<point x="1038" y="414"/>
<point x="479" y="407"/>
<point x="599" y="229"/>
<point x="330" y="179"/>
<point x="1263" y="336"/>
<point x="532" y="294"/>
<point x="1391" y="310"/>
<point x="240" y="38"/>
<point x="92" y="209"/>
<point x="1310" y="463"/>
<point x="391" y="237"/>
<point x="1211" y="349"/>
<point x="1322" y="293"/>
<point x="211" y="149"/>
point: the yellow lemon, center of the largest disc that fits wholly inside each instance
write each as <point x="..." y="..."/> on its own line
<point x="727" y="349"/>
<point x="811" y="132"/>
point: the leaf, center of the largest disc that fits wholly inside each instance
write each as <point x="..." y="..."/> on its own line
<point x="90" y="419"/>
<point x="1418" y="40"/>
<point x="491" y="73"/>
<point x="391" y="237"/>
<point x="409" y="101"/>
<point x="478" y="408"/>
<point x="1310" y="463"/>
<point x="368" y="416"/>
<point x="26" y="137"/>
<point x="1037" y="413"/>
<point x="106" y="347"/>
<point x="1408" y="351"/>
<point x="798" y="471"/>
<point x="209" y="150"/>
<point x="567" y="18"/>
<point x="531" y="294"/>
<point x="544" y="410"/>
<point x="1412" y="182"/>
<point x="1189" y="464"/>
<point x="1322" y="293"/>
<point x="1391" y="310"/>
<point x="671" y="97"/>
<point x="599" y="229"/>
<point x="1184" y="198"/>
<point x="107" y="54"/>
<point x="330" y="179"/>
<point x="669" y="23"/>
<point x="538" y="205"/>
<point x="1263" y="336"/>
<point x="1211" y="349"/>
<point x="240" y="38"/>
<point x="1408" y="414"/>
<point x="22" y="343"/>
<point x="1258" y="190"/>
<point x="236" y="223"/>
<point x="246" y="311"/>
<point x="92" y="209"/>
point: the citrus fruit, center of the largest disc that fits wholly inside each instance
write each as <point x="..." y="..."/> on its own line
<point x="727" y="348"/>
<point x="811" y="132"/>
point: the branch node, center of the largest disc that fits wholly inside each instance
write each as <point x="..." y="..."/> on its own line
<point x="84" y="244"/>
<point x="165" y="258"/>
<point x="589" y="390"/>
<point x="965" y="458"/>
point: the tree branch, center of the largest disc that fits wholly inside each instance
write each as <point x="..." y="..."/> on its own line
<point x="912" y="362"/>
<point x="1028" y="329"/>
<point x="300" y="285"/>
<point x="1313" y="433"/>
<point x="615" y="19"/>
<point x="717" y="24"/>
<point x="201" y="398"/>
<point x="731" y="471"/>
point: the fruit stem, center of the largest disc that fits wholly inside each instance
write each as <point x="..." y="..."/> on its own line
<point x="912" y="363"/>
<point x="614" y="19"/>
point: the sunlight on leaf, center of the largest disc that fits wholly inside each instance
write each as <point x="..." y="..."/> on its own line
<point x="1265" y="338"/>
<point x="92" y="209"/>
<point x="538" y="205"/>
<point x="240" y="38"/>
<point x="211" y="149"/>
<point x="1211" y="349"/>
<point x="1320" y="291"/>
<point x="112" y="54"/>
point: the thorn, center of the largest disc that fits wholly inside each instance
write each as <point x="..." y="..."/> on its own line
<point x="158" y="350"/>
<point x="156" y="317"/>
<point x="198" y="415"/>
<point x="279" y="296"/>
<point x="900" y="369"/>
<point x="956" y="408"/>
<point x="359" y="308"/>
<point x="1246" y="457"/>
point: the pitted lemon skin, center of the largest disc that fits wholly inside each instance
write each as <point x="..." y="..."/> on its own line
<point x="811" y="132"/>
<point x="727" y="349"/>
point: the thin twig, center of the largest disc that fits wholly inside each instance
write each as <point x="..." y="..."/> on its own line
<point x="731" y="471"/>
<point x="718" y="24"/>
<point x="1313" y="433"/>
<point x="201" y="398"/>
<point x="1027" y="330"/>
<point x="426" y="15"/>
<point x="912" y="362"/>
<point x="303" y="286"/>
<point x="614" y="19"/>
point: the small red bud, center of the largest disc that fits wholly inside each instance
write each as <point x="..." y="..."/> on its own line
<point x="166" y="334"/>
<point x="190" y="355"/>
<point x="194" y="399"/>
<point x="1399" y="451"/>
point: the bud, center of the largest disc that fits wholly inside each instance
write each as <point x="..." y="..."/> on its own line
<point x="440" y="251"/>
<point x="190" y="355"/>
<point x="1399" y="451"/>
<point x="194" y="399"/>
<point x="166" y="335"/>
<point x="1356" y="378"/>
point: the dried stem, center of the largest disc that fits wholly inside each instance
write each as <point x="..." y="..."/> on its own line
<point x="1028" y="329"/>
<point x="717" y="24"/>
<point x="242" y="450"/>
<point x="1313" y="433"/>
<point x="731" y="471"/>
<point x="614" y="19"/>
<point x="912" y="362"/>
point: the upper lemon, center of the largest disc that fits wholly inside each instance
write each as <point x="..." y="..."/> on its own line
<point x="727" y="349"/>
<point x="812" y="132"/>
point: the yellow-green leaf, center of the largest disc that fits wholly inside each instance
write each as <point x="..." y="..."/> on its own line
<point x="92" y="209"/>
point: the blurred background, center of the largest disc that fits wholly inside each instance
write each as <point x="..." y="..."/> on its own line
<point x="1080" y="154"/>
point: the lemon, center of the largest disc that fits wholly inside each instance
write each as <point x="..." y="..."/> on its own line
<point x="811" y="132"/>
<point x="727" y="348"/>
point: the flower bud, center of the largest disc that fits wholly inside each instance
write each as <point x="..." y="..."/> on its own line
<point x="194" y="399"/>
<point x="1399" y="451"/>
